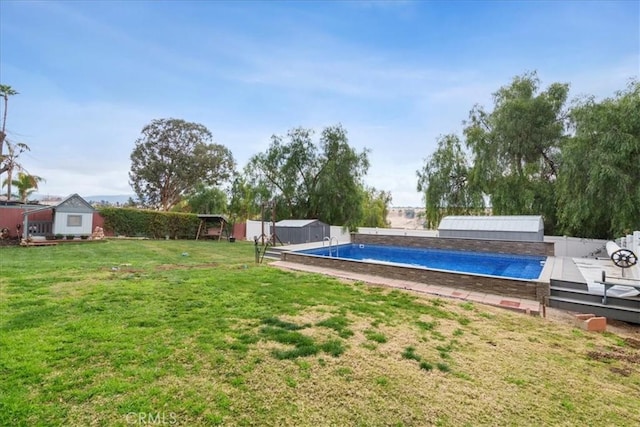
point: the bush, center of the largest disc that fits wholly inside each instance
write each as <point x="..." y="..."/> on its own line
<point x="84" y="237"/>
<point x="59" y="236"/>
<point x="148" y="223"/>
<point x="70" y="236"/>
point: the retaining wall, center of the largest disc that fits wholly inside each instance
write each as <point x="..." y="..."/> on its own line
<point x="454" y="243"/>
<point x="491" y="285"/>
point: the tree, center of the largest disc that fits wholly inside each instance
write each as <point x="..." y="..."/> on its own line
<point x="26" y="185"/>
<point x="516" y="147"/>
<point x="322" y="181"/>
<point x="171" y="158"/>
<point x="245" y="199"/>
<point x="375" y="208"/>
<point x="11" y="163"/>
<point x="599" y="181"/>
<point x="5" y="92"/>
<point x="207" y="200"/>
<point x="444" y="182"/>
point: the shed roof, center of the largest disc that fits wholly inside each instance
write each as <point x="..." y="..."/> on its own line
<point x="74" y="200"/>
<point x="523" y="223"/>
<point x="214" y="217"/>
<point x="295" y="223"/>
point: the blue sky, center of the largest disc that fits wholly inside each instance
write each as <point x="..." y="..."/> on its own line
<point x="395" y="74"/>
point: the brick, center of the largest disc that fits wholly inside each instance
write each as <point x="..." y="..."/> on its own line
<point x="581" y="319"/>
<point x="596" y="324"/>
<point x="584" y="317"/>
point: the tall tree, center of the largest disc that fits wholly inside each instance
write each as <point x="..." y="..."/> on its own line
<point x="599" y="182"/>
<point x="516" y="147"/>
<point x="5" y="92"/>
<point x="172" y="157"/>
<point x="444" y="183"/>
<point x="311" y="180"/>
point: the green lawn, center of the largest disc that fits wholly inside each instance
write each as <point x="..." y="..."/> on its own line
<point x="195" y="333"/>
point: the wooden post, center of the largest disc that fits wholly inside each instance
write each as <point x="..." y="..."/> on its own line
<point x="273" y="220"/>
<point x="262" y="222"/>
<point x="199" y="229"/>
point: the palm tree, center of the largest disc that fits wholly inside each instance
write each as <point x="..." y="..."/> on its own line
<point x="26" y="185"/>
<point x="5" y="92"/>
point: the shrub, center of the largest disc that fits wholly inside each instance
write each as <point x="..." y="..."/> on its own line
<point x="70" y="236"/>
<point x="154" y="224"/>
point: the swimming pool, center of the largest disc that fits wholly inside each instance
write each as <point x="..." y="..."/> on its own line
<point x="527" y="267"/>
<point x="488" y="273"/>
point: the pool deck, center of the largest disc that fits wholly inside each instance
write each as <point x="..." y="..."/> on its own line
<point x="525" y="306"/>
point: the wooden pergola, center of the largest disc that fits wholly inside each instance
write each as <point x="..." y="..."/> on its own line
<point x="212" y="226"/>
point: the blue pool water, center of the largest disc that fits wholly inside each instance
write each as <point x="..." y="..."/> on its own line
<point x="493" y="264"/>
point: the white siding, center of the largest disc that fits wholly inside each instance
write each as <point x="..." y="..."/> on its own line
<point x="515" y="227"/>
<point x="60" y="224"/>
<point x="576" y="246"/>
<point x="254" y="229"/>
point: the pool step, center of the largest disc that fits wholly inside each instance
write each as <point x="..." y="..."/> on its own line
<point x="625" y="314"/>
<point x="581" y="301"/>
<point x="585" y="296"/>
<point x="274" y="252"/>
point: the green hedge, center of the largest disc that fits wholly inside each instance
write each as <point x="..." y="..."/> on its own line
<point x="147" y="223"/>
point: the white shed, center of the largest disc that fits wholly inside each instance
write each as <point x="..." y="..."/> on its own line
<point x="73" y="216"/>
<point x="525" y="228"/>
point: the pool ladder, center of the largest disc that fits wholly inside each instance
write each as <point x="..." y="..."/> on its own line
<point x="330" y="239"/>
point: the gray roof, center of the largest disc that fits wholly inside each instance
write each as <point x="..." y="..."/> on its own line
<point x="295" y="223"/>
<point x="526" y="223"/>
<point x="74" y="202"/>
<point x="213" y="217"/>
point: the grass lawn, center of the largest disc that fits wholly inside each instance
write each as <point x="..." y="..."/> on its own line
<point x="195" y="333"/>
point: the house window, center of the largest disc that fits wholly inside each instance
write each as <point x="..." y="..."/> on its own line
<point x="74" y="221"/>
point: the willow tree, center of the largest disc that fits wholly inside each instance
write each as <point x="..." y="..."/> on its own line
<point x="599" y="183"/>
<point x="516" y="147"/>
<point x="313" y="180"/>
<point x="246" y="199"/>
<point x="207" y="200"/>
<point x="172" y="157"/>
<point x="375" y="208"/>
<point x="444" y="183"/>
